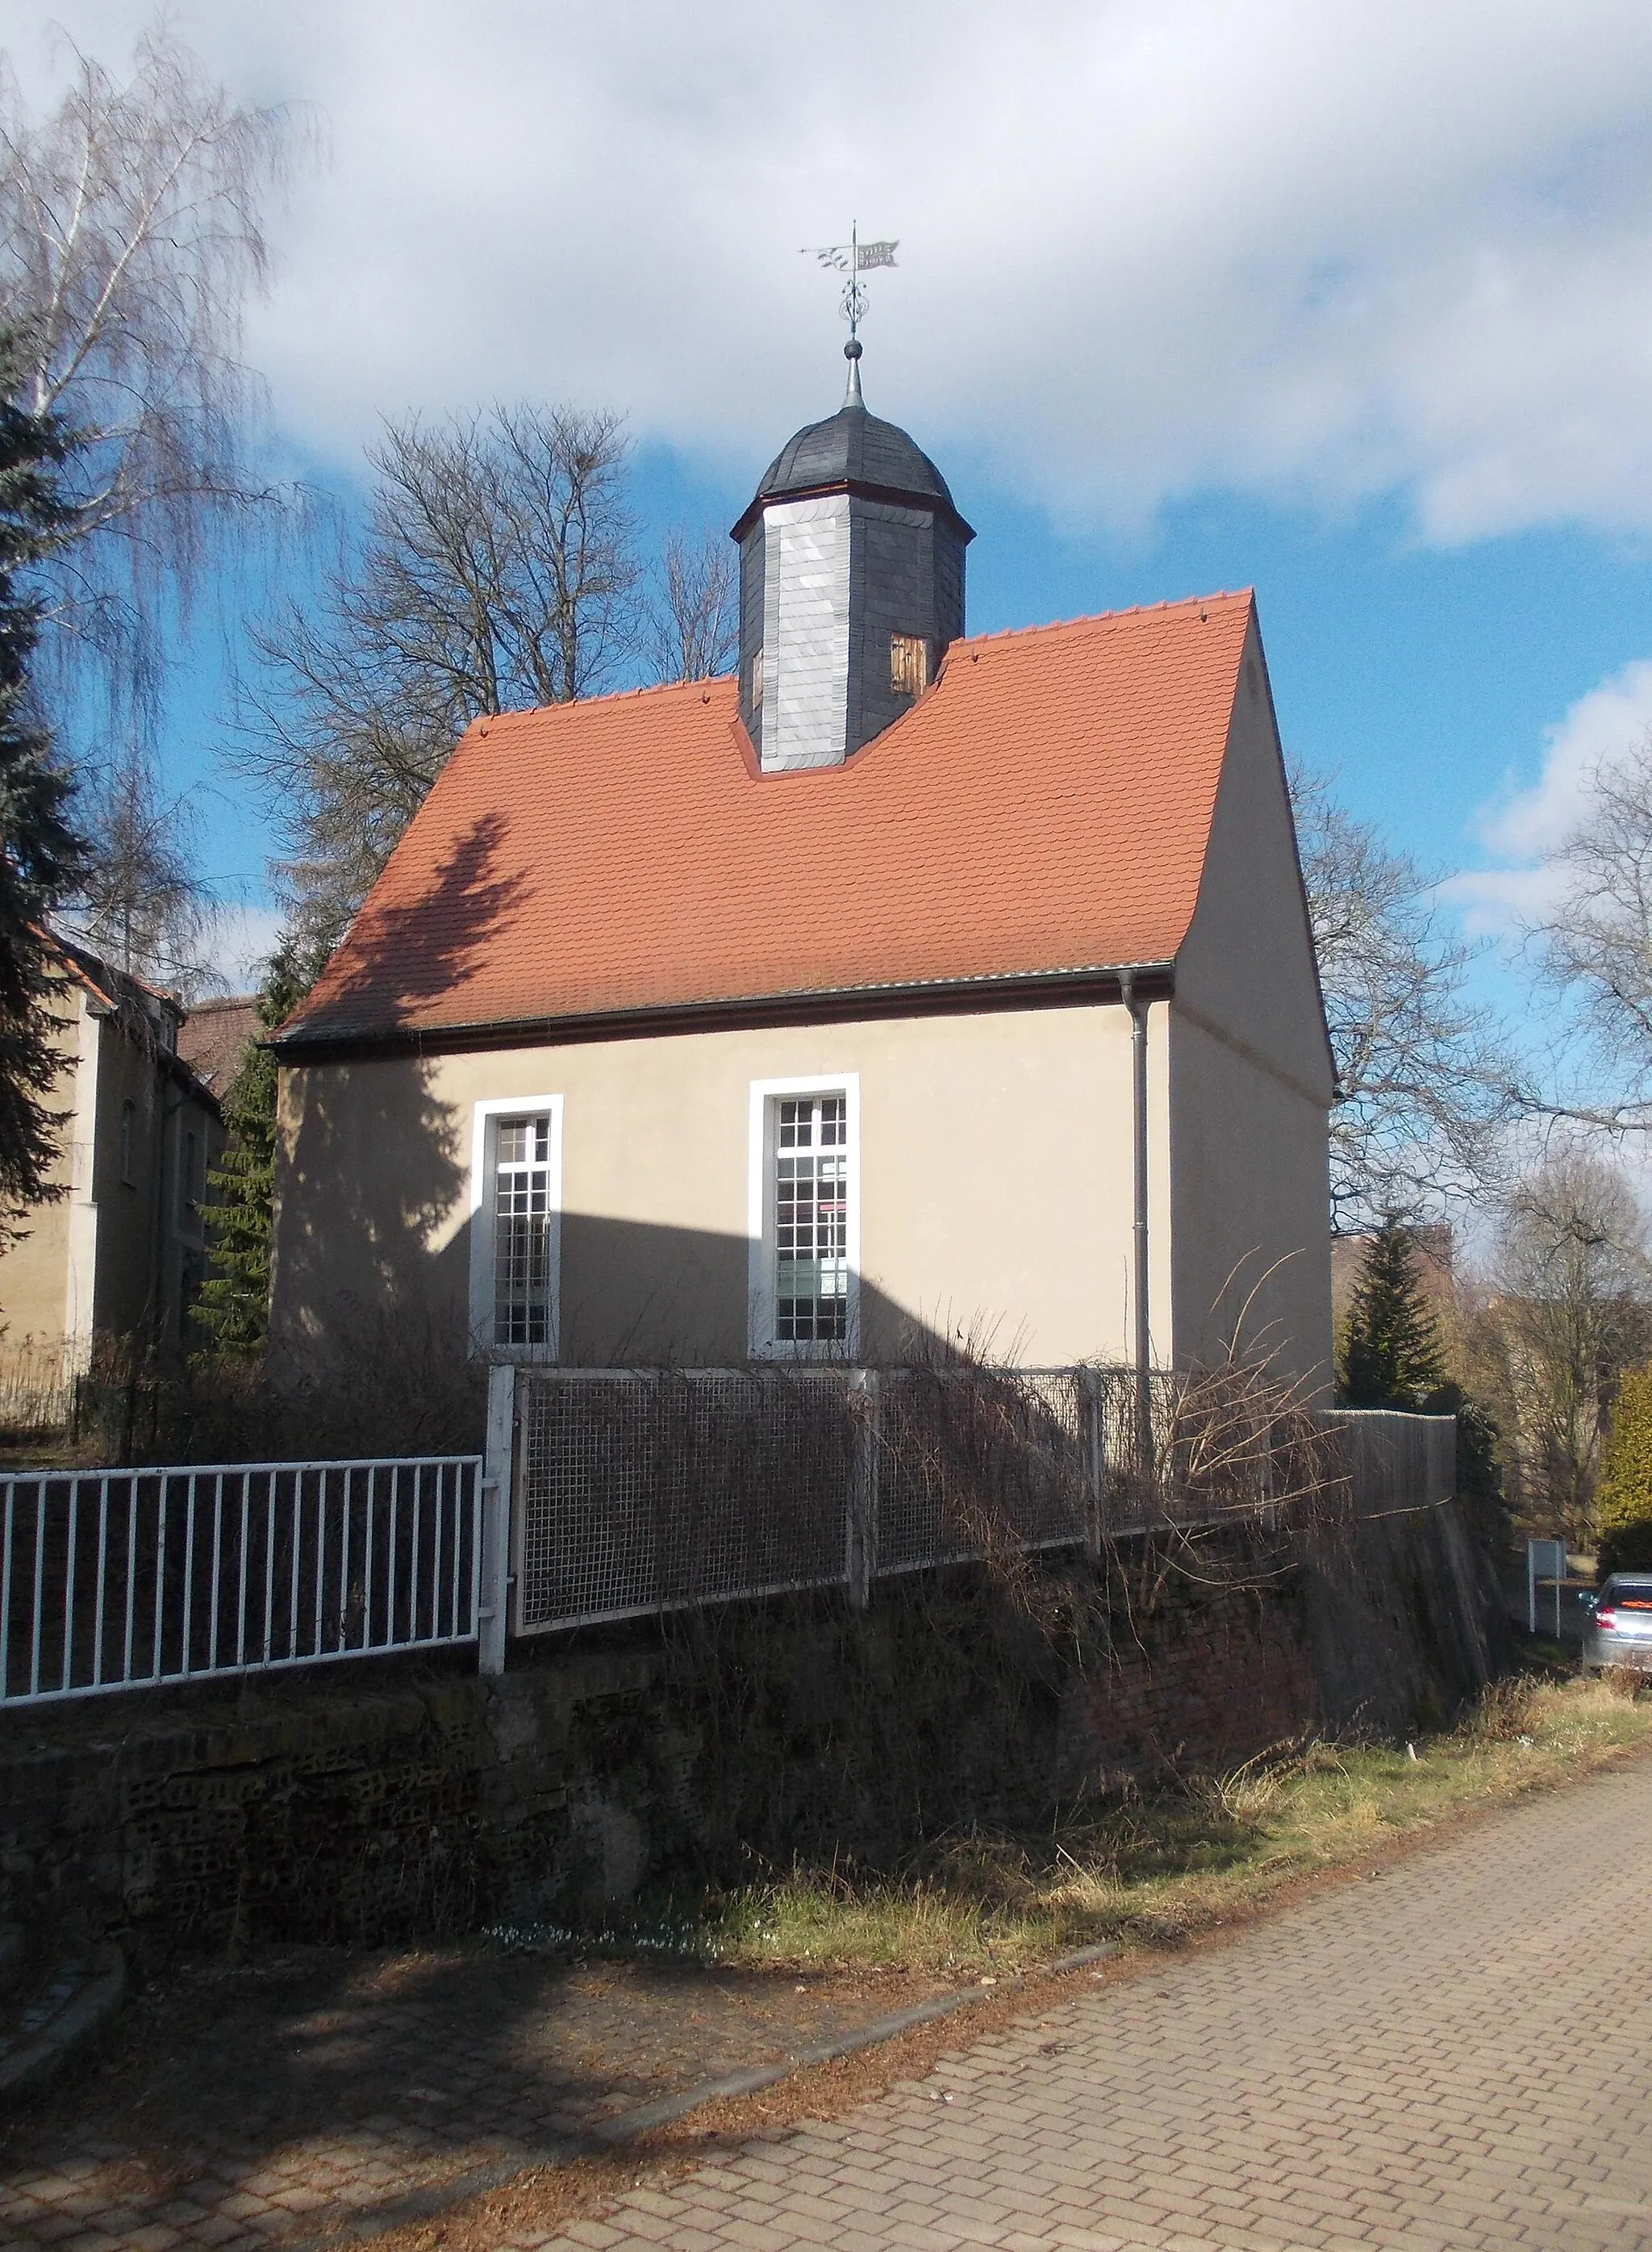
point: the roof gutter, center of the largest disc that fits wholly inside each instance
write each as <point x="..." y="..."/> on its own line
<point x="1045" y="989"/>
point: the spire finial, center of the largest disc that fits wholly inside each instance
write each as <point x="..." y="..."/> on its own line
<point x="854" y="258"/>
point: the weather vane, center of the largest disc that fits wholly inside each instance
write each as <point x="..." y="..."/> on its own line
<point x="853" y="258"/>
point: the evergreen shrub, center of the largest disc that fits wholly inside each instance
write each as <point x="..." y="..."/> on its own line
<point x="1623" y="1500"/>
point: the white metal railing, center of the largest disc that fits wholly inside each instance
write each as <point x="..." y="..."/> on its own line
<point x="127" y="1579"/>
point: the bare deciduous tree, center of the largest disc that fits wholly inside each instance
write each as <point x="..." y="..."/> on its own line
<point x="1595" y="945"/>
<point x="1425" y="1086"/>
<point x="140" y="903"/>
<point x="1566" y="1313"/>
<point x="498" y="569"/>
<point x="696" y="624"/>
<point x="131" y="235"/>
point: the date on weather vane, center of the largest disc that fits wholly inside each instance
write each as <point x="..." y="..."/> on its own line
<point x="853" y="258"/>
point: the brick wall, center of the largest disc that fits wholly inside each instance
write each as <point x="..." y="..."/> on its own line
<point x="1198" y="1686"/>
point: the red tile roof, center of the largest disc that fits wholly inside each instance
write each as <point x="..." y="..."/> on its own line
<point x="1045" y="808"/>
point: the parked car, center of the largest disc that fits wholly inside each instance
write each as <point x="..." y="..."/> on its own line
<point x="1621" y="1632"/>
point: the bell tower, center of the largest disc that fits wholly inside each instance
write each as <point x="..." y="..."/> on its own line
<point x="851" y="586"/>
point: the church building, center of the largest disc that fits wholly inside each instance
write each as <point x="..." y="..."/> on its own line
<point x="906" y="989"/>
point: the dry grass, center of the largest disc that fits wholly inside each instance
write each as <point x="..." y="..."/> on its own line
<point x="1162" y="1868"/>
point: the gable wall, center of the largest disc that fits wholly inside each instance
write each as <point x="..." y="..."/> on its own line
<point x="1250" y="1071"/>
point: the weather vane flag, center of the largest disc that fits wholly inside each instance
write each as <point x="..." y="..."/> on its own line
<point x="853" y="258"/>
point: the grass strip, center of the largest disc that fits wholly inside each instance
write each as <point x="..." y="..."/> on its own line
<point x="1158" y="1868"/>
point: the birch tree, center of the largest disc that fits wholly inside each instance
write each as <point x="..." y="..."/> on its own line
<point x="140" y="902"/>
<point x="132" y="237"/>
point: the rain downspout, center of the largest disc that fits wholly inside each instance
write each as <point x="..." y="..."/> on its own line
<point x="1142" y="1356"/>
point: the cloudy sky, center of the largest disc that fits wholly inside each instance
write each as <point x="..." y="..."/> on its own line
<point x="1350" y="301"/>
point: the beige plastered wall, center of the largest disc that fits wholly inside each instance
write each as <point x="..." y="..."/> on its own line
<point x="99" y="1260"/>
<point x="995" y="1173"/>
<point x="35" y="1282"/>
<point x="1251" y="1077"/>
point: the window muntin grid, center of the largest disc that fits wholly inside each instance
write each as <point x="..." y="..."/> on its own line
<point x="521" y="1221"/>
<point x="811" y="1220"/>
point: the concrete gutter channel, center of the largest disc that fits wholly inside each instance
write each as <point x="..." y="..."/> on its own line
<point x="51" y="2009"/>
<point x="626" y="2126"/>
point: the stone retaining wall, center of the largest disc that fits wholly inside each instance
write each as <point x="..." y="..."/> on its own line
<point x="393" y="1800"/>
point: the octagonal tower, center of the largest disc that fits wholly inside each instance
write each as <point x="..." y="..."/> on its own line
<point x="851" y="587"/>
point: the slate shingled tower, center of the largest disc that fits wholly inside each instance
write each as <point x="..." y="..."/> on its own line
<point x="851" y="587"/>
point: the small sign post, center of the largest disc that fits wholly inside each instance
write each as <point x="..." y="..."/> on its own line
<point x="1545" y="1560"/>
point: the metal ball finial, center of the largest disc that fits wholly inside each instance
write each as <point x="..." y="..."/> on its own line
<point x="851" y="350"/>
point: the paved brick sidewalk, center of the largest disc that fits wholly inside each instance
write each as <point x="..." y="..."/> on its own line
<point x="1454" y="2055"/>
<point x="243" y="2109"/>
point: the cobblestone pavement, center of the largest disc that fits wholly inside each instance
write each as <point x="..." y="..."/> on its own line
<point x="1456" y="2054"/>
<point x="244" y="2108"/>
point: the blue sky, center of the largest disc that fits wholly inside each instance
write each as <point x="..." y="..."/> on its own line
<point x="1352" y="304"/>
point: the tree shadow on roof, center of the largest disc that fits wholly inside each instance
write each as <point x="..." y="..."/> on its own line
<point x="400" y="955"/>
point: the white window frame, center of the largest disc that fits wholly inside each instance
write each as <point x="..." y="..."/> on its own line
<point x="484" y="1145"/>
<point x="765" y="1098"/>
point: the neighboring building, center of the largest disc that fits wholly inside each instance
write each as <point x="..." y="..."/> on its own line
<point x="792" y="1014"/>
<point x="123" y="1253"/>
<point x="214" y="1037"/>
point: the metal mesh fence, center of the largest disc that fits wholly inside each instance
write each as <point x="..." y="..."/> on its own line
<point x="646" y="1490"/>
<point x="973" y="1463"/>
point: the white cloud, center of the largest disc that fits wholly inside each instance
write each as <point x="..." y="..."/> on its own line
<point x="1608" y="721"/>
<point x="1527" y="824"/>
<point x="1147" y="246"/>
<point x="243" y="940"/>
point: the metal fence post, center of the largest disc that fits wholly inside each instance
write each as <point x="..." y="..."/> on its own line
<point x="498" y="1468"/>
<point x="861" y="1562"/>
<point x="1095" y="1468"/>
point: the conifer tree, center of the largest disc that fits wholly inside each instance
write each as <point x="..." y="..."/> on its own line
<point x="41" y="855"/>
<point x="234" y="1300"/>
<point x="1392" y="1354"/>
<point x="1623" y="1498"/>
